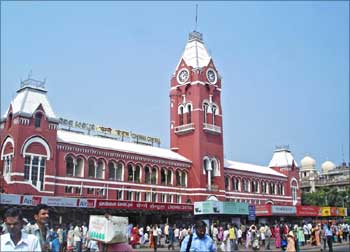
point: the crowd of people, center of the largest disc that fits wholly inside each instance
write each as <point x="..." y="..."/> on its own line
<point x="20" y="235"/>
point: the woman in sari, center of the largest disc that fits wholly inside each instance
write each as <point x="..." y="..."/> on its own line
<point x="277" y="234"/>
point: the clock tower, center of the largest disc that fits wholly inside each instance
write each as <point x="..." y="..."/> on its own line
<point x="196" y="128"/>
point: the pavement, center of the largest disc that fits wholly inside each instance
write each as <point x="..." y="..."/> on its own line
<point x="344" y="246"/>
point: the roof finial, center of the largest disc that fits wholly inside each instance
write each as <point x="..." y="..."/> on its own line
<point x="195" y="28"/>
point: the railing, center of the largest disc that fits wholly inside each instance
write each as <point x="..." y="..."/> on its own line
<point x="210" y="128"/>
<point x="184" y="129"/>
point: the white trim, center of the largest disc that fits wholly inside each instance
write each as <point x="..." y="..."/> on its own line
<point x="36" y="139"/>
<point x="27" y="183"/>
<point x="8" y="139"/>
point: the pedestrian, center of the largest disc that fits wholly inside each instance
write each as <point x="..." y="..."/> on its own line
<point x="40" y="229"/>
<point x="171" y="237"/>
<point x="77" y="236"/>
<point x="268" y="235"/>
<point x="277" y="234"/>
<point x="232" y="237"/>
<point x="329" y="237"/>
<point x="154" y="232"/>
<point x="198" y="240"/>
<point x="254" y="238"/>
<point x="290" y="242"/>
<point x="15" y="239"/>
<point x="55" y="243"/>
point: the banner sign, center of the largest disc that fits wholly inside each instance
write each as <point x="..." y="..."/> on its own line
<point x="325" y="211"/>
<point x="251" y="214"/>
<point x="341" y="211"/>
<point x="263" y="210"/>
<point x="30" y="200"/>
<point x="60" y="202"/>
<point x="10" y="199"/>
<point x="308" y="211"/>
<point x="284" y="210"/>
<point x="219" y="207"/>
<point x="143" y="205"/>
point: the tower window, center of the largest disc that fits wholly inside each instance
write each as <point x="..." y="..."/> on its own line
<point x="205" y="108"/>
<point x="189" y="115"/>
<point x="181" y="116"/>
<point x="213" y="113"/>
<point x="37" y="121"/>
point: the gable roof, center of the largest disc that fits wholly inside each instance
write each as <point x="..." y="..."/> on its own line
<point x="251" y="168"/>
<point x="28" y="99"/>
<point x="112" y="144"/>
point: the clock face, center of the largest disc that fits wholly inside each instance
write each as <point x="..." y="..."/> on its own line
<point x="211" y="76"/>
<point x="182" y="76"/>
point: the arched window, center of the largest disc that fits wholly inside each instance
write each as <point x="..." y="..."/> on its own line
<point x="181" y="115"/>
<point x="189" y="113"/>
<point x="213" y="109"/>
<point x="37" y="120"/>
<point x="294" y="187"/>
<point x="263" y="187"/>
<point x="69" y="166"/>
<point x="272" y="188"/>
<point x="131" y="171"/>
<point x="119" y="173"/>
<point x="227" y="183"/>
<point x="163" y="174"/>
<point x="137" y="174"/>
<point x="178" y="178"/>
<point x="154" y="176"/>
<point x="92" y="168"/>
<point x="112" y="171"/>
<point x="184" y="179"/>
<point x="205" y="111"/>
<point x="99" y="170"/>
<point x="245" y="185"/>
<point x="147" y="175"/>
<point x="169" y="177"/>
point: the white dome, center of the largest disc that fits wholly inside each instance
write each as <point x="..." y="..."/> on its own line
<point x="308" y="162"/>
<point x="327" y="165"/>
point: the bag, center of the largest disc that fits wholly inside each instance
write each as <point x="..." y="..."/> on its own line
<point x="284" y="243"/>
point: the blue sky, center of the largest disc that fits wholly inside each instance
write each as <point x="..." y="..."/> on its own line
<point x="285" y="67"/>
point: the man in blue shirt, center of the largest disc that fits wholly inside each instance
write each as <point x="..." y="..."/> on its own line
<point x="329" y="235"/>
<point x="198" y="241"/>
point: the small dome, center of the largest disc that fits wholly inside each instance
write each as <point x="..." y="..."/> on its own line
<point x="308" y="162"/>
<point x="327" y="165"/>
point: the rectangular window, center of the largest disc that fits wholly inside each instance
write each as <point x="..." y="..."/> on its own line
<point x="137" y="196"/>
<point x="119" y="194"/>
<point x="169" y="198"/>
<point x="154" y="197"/>
<point x="177" y="198"/>
<point x="100" y="191"/>
<point x="148" y="197"/>
<point x="78" y="190"/>
<point x="90" y="190"/>
<point x="162" y="197"/>
<point x="68" y="189"/>
<point x="129" y="195"/>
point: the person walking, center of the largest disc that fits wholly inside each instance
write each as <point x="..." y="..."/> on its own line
<point x="154" y="231"/>
<point x="290" y="242"/>
<point x="171" y="237"/>
<point x="268" y="235"/>
<point x="329" y="237"/>
<point x="198" y="240"/>
<point x="40" y="229"/>
<point x="15" y="239"/>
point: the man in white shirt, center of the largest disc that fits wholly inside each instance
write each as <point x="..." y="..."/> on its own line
<point x="15" y="239"/>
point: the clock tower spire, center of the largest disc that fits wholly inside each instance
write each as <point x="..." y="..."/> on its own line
<point x="196" y="117"/>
